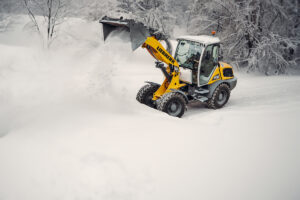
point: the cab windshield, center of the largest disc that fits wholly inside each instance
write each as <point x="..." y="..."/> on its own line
<point x="188" y="54"/>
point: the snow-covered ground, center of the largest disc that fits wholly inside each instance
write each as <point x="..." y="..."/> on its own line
<point x="71" y="128"/>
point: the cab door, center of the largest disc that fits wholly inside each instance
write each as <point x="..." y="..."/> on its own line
<point x="188" y="55"/>
<point x="209" y="63"/>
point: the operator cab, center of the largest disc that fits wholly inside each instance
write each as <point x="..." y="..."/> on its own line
<point x="198" y="58"/>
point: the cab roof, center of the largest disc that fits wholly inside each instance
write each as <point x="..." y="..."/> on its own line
<point x="204" y="39"/>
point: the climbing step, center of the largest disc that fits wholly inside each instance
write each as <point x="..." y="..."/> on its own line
<point x="201" y="91"/>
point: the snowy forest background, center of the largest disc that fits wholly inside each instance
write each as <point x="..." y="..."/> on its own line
<point x="71" y="128"/>
<point x="257" y="35"/>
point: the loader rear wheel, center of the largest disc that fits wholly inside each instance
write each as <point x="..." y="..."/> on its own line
<point x="173" y="104"/>
<point x="145" y="95"/>
<point x="220" y="97"/>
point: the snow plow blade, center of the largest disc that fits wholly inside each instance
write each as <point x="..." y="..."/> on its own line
<point x="138" y="32"/>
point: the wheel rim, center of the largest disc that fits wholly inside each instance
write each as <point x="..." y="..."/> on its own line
<point x="174" y="108"/>
<point x="222" y="97"/>
<point x="149" y="101"/>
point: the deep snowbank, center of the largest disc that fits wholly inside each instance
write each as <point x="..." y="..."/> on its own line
<point x="71" y="128"/>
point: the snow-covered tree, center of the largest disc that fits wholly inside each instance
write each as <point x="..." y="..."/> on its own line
<point x="257" y="34"/>
<point x="160" y="14"/>
<point x="92" y="9"/>
<point x="6" y="8"/>
<point x="153" y="13"/>
<point x="52" y="12"/>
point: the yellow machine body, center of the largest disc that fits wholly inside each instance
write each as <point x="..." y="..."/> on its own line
<point x="157" y="50"/>
<point x="195" y="74"/>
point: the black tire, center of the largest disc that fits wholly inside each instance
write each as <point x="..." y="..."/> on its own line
<point x="220" y="97"/>
<point x="145" y="95"/>
<point x="173" y="104"/>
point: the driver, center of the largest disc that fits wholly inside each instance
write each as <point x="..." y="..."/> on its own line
<point x="194" y="60"/>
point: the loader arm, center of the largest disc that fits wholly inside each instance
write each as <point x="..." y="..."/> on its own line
<point x="148" y="38"/>
<point x="157" y="50"/>
<point x="171" y="72"/>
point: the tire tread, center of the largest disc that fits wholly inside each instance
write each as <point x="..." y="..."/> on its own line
<point x="163" y="101"/>
<point x="140" y="97"/>
<point x="212" y="101"/>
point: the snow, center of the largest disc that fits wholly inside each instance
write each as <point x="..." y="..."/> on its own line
<point x="71" y="128"/>
<point x="203" y="39"/>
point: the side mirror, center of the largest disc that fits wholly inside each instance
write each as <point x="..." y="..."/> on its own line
<point x="220" y="57"/>
<point x="216" y="63"/>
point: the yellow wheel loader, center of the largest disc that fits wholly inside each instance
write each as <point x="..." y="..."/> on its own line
<point x="195" y="73"/>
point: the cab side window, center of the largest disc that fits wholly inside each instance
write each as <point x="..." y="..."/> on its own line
<point x="206" y="65"/>
<point x="215" y="54"/>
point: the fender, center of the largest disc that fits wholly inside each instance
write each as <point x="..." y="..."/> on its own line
<point x="152" y="83"/>
<point x="231" y="83"/>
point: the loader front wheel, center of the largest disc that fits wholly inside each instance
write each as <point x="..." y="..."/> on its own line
<point x="220" y="97"/>
<point x="145" y="95"/>
<point x="173" y="104"/>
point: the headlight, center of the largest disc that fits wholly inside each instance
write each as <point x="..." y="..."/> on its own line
<point x="216" y="77"/>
